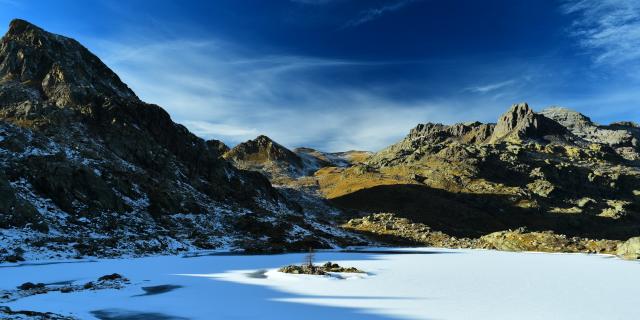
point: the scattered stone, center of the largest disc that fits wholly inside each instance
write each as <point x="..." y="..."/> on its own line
<point x="110" y="277"/>
<point x="387" y="227"/>
<point x="31" y="286"/>
<point x="7" y="314"/>
<point x="66" y="289"/>
<point x="546" y="241"/>
<point x="111" y="281"/>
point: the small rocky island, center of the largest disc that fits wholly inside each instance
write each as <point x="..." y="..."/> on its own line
<point x="318" y="269"/>
<point x="309" y="267"/>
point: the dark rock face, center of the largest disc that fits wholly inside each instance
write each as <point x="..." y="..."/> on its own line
<point x="15" y="210"/>
<point x="60" y="68"/>
<point x="218" y="146"/>
<point x="79" y="152"/>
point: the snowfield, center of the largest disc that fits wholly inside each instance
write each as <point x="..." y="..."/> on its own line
<point x="424" y="283"/>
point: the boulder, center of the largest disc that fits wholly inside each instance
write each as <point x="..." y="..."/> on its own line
<point x="630" y="249"/>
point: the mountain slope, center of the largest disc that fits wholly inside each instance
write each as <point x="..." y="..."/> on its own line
<point x="81" y="155"/>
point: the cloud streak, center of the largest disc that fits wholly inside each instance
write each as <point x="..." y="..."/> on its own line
<point x="608" y="28"/>
<point x="491" y="87"/>
<point x="375" y="13"/>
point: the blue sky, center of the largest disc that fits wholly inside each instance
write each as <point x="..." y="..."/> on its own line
<point x="356" y="74"/>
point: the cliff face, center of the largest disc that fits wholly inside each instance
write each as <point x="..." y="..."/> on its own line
<point x="81" y="154"/>
<point x="521" y="123"/>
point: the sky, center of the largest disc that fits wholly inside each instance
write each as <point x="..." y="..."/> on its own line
<point x="356" y="74"/>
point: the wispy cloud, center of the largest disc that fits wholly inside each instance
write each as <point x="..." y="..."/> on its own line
<point x="608" y="28"/>
<point x="375" y="13"/>
<point x="221" y="131"/>
<point x="219" y="92"/>
<point x="487" y="88"/>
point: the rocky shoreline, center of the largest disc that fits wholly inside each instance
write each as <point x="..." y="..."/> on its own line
<point x="387" y="227"/>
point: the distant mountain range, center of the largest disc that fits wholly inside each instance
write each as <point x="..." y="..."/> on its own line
<point x="88" y="169"/>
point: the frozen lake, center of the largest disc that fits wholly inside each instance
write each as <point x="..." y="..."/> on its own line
<point x="423" y="283"/>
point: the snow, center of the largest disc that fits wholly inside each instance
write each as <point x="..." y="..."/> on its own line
<point x="423" y="283"/>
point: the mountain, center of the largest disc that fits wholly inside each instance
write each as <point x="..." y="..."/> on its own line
<point x="87" y="168"/>
<point x="319" y="159"/>
<point x="267" y="156"/>
<point x="554" y="170"/>
<point x="282" y="165"/>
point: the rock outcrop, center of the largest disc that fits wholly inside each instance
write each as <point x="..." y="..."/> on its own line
<point x="623" y="137"/>
<point x="630" y="249"/>
<point x="521" y="123"/>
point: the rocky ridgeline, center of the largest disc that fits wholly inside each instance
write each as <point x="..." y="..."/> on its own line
<point x="554" y="170"/>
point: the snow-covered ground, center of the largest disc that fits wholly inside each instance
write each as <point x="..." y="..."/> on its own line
<point x="421" y="283"/>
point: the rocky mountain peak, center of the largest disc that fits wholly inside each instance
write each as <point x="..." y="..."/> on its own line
<point x="471" y="132"/>
<point x="263" y="149"/>
<point x="624" y="137"/>
<point x="518" y="118"/>
<point x="19" y="26"/>
<point x="521" y="123"/>
<point x="59" y="68"/>
<point x="568" y="118"/>
<point x="264" y="140"/>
